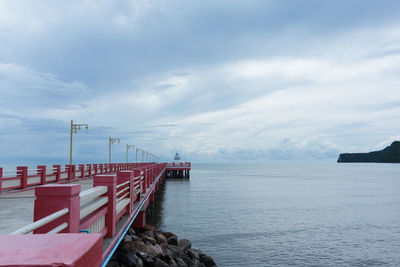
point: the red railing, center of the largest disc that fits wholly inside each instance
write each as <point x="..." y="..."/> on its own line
<point x="23" y="178"/>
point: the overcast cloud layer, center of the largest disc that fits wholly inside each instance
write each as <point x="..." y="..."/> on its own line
<point x="215" y="80"/>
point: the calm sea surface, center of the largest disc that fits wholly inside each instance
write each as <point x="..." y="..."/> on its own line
<point x="287" y="214"/>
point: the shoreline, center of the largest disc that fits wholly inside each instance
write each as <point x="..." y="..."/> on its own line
<point x="154" y="248"/>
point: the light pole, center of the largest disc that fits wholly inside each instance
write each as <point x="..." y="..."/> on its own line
<point x="110" y="142"/>
<point x="127" y="148"/>
<point x="142" y="154"/>
<point x="137" y="149"/>
<point x="75" y="127"/>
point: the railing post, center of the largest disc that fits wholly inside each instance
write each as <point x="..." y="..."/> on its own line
<point x="94" y="169"/>
<point x="71" y="171"/>
<point x="136" y="173"/>
<point x="22" y="173"/>
<point x="52" y="198"/>
<point x="56" y="171"/>
<point x="90" y="169"/>
<point x="1" y="180"/>
<point x="122" y="177"/>
<point x="41" y="169"/>
<point x="111" y="216"/>
<point x="82" y="170"/>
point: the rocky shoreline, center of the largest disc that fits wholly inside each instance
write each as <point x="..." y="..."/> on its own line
<point x="150" y="247"/>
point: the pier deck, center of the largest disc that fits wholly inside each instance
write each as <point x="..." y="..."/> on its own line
<point x="109" y="201"/>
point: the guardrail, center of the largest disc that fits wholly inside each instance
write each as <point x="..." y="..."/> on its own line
<point x="179" y="164"/>
<point x="65" y="209"/>
<point x="23" y="178"/>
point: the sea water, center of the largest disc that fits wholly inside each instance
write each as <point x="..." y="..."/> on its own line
<point x="287" y="214"/>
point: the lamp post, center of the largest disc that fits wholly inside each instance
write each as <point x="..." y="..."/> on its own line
<point x="137" y="149"/>
<point x="75" y="127"/>
<point x="127" y="148"/>
<point x="110" y="142"/>
<point x="142" y="154"/>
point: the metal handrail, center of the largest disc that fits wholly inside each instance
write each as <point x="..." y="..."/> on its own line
<point x="92" y="193"/>
<point x="58" y="228"/>
<point x="35" y="225"/>
<point x="123" y="190"/>
<point x="127" y="182"/>
<point x="92" y="206"/>
<point x="121" y="198"/>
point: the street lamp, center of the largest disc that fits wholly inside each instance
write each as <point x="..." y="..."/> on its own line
<point x="110" y="142"/>
<point x="127" y="148"/>
<point x="75" y="127"/>
<point x="137" y="149"/>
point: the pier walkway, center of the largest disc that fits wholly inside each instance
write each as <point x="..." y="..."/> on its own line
<point x="95" y="205"/>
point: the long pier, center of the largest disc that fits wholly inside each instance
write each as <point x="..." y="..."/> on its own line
<point x="80" y="215"/>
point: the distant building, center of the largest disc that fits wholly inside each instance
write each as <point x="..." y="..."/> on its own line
<point x="177" y="158"/>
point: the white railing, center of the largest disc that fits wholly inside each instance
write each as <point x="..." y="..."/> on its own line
<point x="92" y="206"/>
<point x="35" y="225"/>
<point x="92" y="193"/>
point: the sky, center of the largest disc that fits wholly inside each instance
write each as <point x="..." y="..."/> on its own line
<point x="214" y="80"/>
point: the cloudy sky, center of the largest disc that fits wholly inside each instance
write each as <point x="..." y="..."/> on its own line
<point x="215" y="80"/>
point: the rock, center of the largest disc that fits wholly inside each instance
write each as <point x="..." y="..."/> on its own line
<point x="207" y="260"/>
<point x="173" y="264"/>
<point x="181" y="263"/>
<point x="157" y="250"/>
<point x="131" y="231"/>
<point x="149" y="227"/>
<point x="159" y="263"/>
<point x="197" y="263"/>
<point x="179" y="254"/>
<point x="149" y="233"/>
<point x="135" y="238"/>
<point x="149" y="261"/>
<point x="184" y="244"/>
<point x="141" y="255"/>
<point x="193" y="253"/>
<point x="160" y="238"/>
<point x="150" y="240"/>
<point x="173" y="240"/>
<point x="139" y="245"/>
<point x="127" y="259"/>
<point x="113" y="264"/>
<point x="127" y="238"/>
<point x="169" y="234"/>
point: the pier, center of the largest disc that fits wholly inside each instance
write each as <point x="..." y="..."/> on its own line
<point x="84" y="209"/>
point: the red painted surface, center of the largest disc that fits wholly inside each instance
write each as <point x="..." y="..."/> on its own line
<point x="111" y="217"/>
<point x="52" y="198"/>
<point x="75" y="250"/>
<point x="22" y="174"/>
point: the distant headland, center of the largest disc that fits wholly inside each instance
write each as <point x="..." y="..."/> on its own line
<point x="390" y="154"/>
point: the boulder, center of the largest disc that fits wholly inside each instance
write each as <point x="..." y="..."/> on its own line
<point x="193" y="253"/>
<point x="181" y="263"/>
<point x="173" y="240"/>
<point x="207" y="260"/>
<point x="159" y="263"/>
<point x="127" y="259"/>
<point x="149" y="227"/>
<point x="113" y="264"/>
<point x="141" y="255"/>
<point x="184" y="244"/>
<point x="150" y="240"/>
<point x="160" y="237"/>
<point x="149" y="233"/>
<point x="169" y="234"/>
<point x="131" y="231"/>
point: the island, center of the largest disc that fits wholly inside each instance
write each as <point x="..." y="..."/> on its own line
<point x="390" y="154"/>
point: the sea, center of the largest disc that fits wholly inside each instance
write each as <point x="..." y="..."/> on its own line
<point x="286" y="213"/>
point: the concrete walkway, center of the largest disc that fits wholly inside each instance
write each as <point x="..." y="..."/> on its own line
<point x="16" y="209"/>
